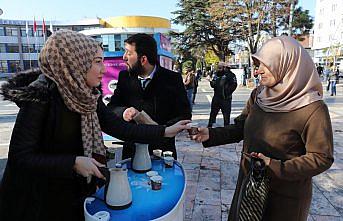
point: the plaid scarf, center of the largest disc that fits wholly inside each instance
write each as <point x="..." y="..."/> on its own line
<point x="66" y="58"/>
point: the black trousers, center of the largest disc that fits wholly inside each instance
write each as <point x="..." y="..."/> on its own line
<point x="220" y="104"/>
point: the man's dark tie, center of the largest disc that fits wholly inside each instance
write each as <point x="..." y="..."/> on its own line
<point x="144" y="82"/>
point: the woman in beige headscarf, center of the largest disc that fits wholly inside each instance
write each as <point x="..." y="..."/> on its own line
<point x="285" y="123"/>
<point x="56" y="144"/>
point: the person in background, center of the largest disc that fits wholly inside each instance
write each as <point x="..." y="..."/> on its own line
<point x="224" y="84"/>
<point x="148" y="87"/>
<point x="286" y="124"/>
<point x="245" y="75"/>
<point x="333" y="80"/>
<point x="56" y="145"/>
<point x="189" y="82"/>
<point x="196" y="84"/>
<point x="319" y="70"/>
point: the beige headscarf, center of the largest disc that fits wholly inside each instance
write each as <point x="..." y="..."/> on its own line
<point x="66" y="58"/>
<point x="298" y="83"/>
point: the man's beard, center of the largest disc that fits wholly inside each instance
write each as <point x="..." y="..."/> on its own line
<point x="136" y="69"/>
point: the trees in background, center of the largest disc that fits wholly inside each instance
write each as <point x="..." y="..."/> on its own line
<point x="215" y="24"/>
<point x="201" y="32"/>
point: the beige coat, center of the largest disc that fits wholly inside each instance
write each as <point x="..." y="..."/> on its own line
<point x="300" y="144"/>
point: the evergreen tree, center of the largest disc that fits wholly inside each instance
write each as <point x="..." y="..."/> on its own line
<point x="201" y="30"/>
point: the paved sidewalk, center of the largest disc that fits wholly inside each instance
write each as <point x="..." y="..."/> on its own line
<point x="212" y="172"/>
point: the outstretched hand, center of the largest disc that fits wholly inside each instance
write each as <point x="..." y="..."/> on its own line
<point x="176" y="128"/>
<point x="202" y="135"/>
<point x="130" y="113"/>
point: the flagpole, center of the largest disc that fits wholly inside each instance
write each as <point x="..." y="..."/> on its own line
<point x="35" y="33"/>
<point x="44" y="30"/>
<point x="28" y="43"/>
<point x="36" y="44"/>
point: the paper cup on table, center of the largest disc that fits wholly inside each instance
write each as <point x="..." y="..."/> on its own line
<point x="151" y="173"/>
<point x="169" y="162"/>
<point x="156" y="182"/>
<point x="167" y="154"/>
<point x="157" y="153"/>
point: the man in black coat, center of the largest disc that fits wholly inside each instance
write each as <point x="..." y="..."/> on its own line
<point x="224" y="84"/>
<point x="149" y="87"/>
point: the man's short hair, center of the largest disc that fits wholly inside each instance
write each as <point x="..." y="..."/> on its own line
<point x="145" y="45"/>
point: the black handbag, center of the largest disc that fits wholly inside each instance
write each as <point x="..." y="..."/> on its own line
<point x="253" y="195"/>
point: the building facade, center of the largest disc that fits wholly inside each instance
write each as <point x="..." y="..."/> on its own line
<point x="19" y="48"/>
<point x="328" y="32"/>
<point x="19" y="51"/>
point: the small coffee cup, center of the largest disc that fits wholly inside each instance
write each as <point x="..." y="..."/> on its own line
<point x="169" y="162"/>
<point x="194" y="129"/>
<point x="151" y="173"/>
<point x="156" y="182"/>
<point x="167" y="154"/>
<point x="157" y="153"/>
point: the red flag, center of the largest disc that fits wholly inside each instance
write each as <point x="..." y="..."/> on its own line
<point x="34" y="25"/>
<point x="43" y="27"/>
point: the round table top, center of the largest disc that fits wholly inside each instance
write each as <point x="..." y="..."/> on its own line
<point x="147" y="204"/>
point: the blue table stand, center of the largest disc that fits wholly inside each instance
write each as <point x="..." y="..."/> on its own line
<point x="166" y="204"/>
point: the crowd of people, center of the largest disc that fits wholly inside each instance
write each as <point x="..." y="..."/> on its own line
<point x="56" y="147"/>
<point x="330" y="74"/>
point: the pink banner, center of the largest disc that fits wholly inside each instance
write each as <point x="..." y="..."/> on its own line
<point x="110" y="78"/>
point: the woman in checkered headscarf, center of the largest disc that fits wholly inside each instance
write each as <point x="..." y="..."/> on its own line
<point x="56" y="144"/>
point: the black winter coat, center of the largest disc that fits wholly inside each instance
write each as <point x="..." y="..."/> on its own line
<point x="164" y="100"/>
<point x="224" y="85"/>
<point x="39" y="182"/>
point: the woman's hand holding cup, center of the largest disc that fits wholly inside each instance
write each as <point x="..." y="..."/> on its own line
<point x="202" y="135"/>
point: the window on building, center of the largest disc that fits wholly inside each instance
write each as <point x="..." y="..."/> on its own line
<point x="320" y="25"/>
<point x="13" y="66"/>
<point x="110" y="42"/>
<point x="12" y="48"/>
<point x="28" y="48"/>
<point x="2" y="48"/>
<point x="39" y="32"/>
<point x="105" y="47"/>
<point x="117" y="45"/>
<point x="10" y="31"/>
<point x="3" y="66"/>
<point x="333" y="8"/>
<point x="2" y="31"/>
<point x="27" y="64"/>
<point x="79" y="28"/>
<point x="318" y="39"/>
<point x="321" y="11"/>
<point x="105" y="42"/>
<point x="23" y="32"/>
<point x="37" y="48"/>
